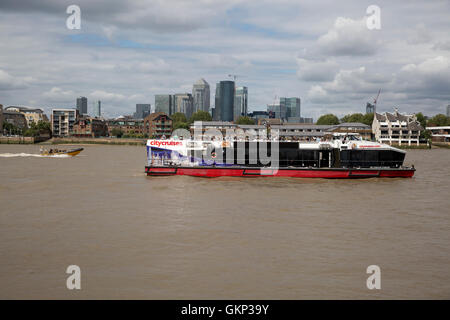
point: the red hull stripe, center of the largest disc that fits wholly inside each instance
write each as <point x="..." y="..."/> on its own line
<point x="297" y="173"/>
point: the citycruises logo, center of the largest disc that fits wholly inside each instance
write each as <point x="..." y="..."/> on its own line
<point x="158" y="143"/>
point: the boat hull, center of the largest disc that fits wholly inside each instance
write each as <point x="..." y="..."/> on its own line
<point x="330" y="173"/>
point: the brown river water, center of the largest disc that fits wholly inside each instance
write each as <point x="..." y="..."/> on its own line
<point x="138" y="237"/>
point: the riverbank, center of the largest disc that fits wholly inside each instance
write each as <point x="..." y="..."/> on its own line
<point x="21" y="140"/>
<point x="108" y="141"/>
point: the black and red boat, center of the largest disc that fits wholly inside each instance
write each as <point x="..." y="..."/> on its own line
<point x="340" y="157"/>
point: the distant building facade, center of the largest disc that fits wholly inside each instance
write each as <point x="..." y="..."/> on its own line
<point x="201" y="95"/>
<point x="396" y="128"/>
<point x="15" y="118"/>
<point x="277" y="110"/>
<point x="32" y="115"/>
<point x="126" y="124"/>
<point x="292" y="105"/>
<point x="98" y="109"/>
<point x="224" y="101"/>
<point x="158" y="125"/>
<point x="82" y="104"/>
<point x="370" y="108"/>
<point x="86" y="126"/>
<point x="256" y="115"/>
<point x="142" y="110"/>
<point x="184" y="103"/>
<point x="240" y="103"/>
<point x="165" y="103"/>
<point x="440" y="134"/>
<point x="63" y="121"/>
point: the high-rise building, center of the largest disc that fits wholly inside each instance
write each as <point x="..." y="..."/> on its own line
<point x="370" y="108"/>
<point x="142" y="110"/>
<point x="448" y="110"/>
<point x="82" y="105"/>
<point x="224" y="101"/>
<point x="98" y="109"/>
<point x="240" y="102"/>
<point x="292" y="106"/>
<point x="184" y="103"/>
<point x="201" y="95"/>
<point x="165" y="103"/>
<point x="1" y="119"/>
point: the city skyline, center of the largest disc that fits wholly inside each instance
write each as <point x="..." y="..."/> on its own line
<point x="320" y="51"/>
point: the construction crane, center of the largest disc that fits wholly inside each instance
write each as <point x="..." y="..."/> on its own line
<point x="375" y="102"/>
<point x="234" y="76"/>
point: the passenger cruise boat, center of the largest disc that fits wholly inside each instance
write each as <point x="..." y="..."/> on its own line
<point x="343" y="156"/>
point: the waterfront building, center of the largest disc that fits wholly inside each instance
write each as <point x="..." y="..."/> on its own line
<point x="240" y="103"/>
<point x="396" y="128"/>
<point x="165" y="103"/>
<point x="63" y="121"/>
<point x="126" y="124"/>
<point x="15" y="118"/>
<point x="98" y="109"/>
<point x="299" y="120"/>
<point x="292" y="106"/>
<point x="86" y="126"/>
<point x="440" y="134"/>
<point x="184" y="103"/>
<point x="32" y="115"/>
<point x="222" y="126"/>
<point x="158" y="125"/>
<point x="82" y="105"/>
<point x="201" y="96"/>
<point x="224" y="101"/>
<point x="142" y="110"/>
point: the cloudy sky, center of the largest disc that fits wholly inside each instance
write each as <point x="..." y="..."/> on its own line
<point x="322" y="51"/>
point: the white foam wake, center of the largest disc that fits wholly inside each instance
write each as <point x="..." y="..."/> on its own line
<point x="12" y="155"/>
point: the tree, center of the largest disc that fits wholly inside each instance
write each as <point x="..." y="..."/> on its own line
<point x="245" y="120"/>
<point x="181" y="125"/>
<point x="421" y="118"/>
<point x="178" y="117"/>
<point x="200" y="116"/>
<point x="368" y="119"/>
<point x="439" y="120"/>
<point x="355" y="117"/>
<point x="328" y="119"/>
<point x="116" y="132"/>
<point x="425" y="135"/>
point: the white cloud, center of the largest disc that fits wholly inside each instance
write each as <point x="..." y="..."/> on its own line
<point x="312" y="70"/>
<point x="8" y="82"/>
<point x="349" y="37"/>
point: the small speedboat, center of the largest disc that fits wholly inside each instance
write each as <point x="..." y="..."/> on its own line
<point x="53" y="152"/>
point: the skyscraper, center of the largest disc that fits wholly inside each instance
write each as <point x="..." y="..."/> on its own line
<point x="224" y="102"/>
<point x="165" y="103"/>
<point x="142" y="110"/>
<point x="292" y="106"/>
<point x="240" y="103"/>
<point x="277" y="109"/>
<point x="201" y="95"/>
<point x="184" y="103"/>
<point x="82" y="105"/>
<point x="98" y="109"/>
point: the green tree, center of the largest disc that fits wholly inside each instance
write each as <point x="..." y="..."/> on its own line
<point x="368" y="119"/>
<point x="355" y="117"/>
<point x="116" y="132"/>
<point x="421" y="118"/>
<point x="439" y="120"/>
<point x="245" y="120"/>
<point x="425" y="135"/>
<point x="181" y="125"/>
<point x="200" y="116"/>
<point x="178" y="117"/>
<point x="328" y="119"/>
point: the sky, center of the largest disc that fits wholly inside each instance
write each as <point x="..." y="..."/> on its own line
<point x="321" y="51"/>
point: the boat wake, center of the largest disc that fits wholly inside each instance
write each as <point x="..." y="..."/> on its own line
<point x="12" y="155"/>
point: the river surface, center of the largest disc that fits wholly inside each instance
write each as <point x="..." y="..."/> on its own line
<point x="138" y="237"/>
